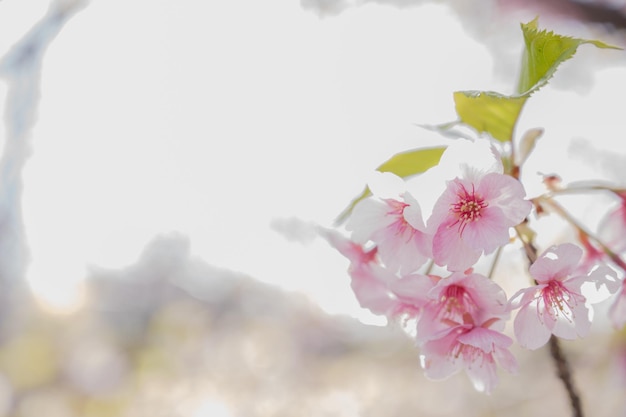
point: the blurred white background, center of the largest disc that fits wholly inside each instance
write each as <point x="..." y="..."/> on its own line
<point x="214" y="119"/>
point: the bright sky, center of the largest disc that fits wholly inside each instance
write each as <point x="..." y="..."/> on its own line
<point x="214" y="118"/>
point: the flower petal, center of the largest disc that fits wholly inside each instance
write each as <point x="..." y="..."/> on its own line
<point x="575" y="324"/>
<point x="556" y="262"/>
<point x="506" y="193"/>
<point x="489" y="232"/>
<point x="449" y="249"/>
<point x="413" y="213"/>
<point x="368" y="216"/>
<point x="485" y="339"/>
<point x="613" y="227"/>
<point x="529" y="330"/>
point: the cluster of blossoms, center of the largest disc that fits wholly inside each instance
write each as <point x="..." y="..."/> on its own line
<point x="458" y="319"/>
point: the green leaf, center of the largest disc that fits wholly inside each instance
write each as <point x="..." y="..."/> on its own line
<point x="412" y="162"/>
<point x="404" y="164"/>
<point x="489" y="112"/>
<point x="497" y="114"/>
<point x="544" y="51"/>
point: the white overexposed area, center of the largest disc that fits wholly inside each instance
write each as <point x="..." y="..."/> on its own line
<point x="218" y="120"/>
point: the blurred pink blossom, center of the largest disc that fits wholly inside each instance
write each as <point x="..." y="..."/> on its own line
<point x="375" y="287"/>
<point x="457" y="299"/>
<point x="612" y="228"/>
<point x="475" y="349"/>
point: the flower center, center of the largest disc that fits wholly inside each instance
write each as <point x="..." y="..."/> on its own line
<point x="472" y="355"/>
<point x="455" y="303"/>
<point x="400" y="226"/>
<point x="559" y="301"/>
<point x="468" y="207"/>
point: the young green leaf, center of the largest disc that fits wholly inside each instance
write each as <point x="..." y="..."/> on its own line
<point x="489" y="112"/>
<point x="412" y="162"/>
<point x="404" y="164"/>
<point x="544" y="51"/>
<point x="497" y="114"/>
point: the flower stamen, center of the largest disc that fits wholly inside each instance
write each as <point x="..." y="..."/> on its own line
<point x="468" y="208"/>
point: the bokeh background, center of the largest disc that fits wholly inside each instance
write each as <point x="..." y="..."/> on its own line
<point x="162" y="163"/>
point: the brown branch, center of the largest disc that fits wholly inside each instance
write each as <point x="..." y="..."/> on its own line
<point x="565" y="374"/>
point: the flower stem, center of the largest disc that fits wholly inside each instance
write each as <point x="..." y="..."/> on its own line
<point x="557" y="208"/>
<point x="586" y="187"/>
<point x="496" y="258"/>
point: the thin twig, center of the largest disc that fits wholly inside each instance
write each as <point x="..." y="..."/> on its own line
<point x="565" y="374"/>
<point x="496" y="258"/>
<point x="557" y="208"/>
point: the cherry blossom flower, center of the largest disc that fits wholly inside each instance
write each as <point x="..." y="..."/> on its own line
<point x="368" y="278"/>
<point x="452" y="300"/>
<point x="475" y="349"/>
<point x="396" y="227"/>
<point x="473" y="216"/>
<point x="556" y="305"/>
<point x="375" y="287"/>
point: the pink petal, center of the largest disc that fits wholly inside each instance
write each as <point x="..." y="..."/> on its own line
<point x="529" y="330"/>
<point x="412" y="289"/>
<point x="488" y="296"/>
<point x="612" y="228"/>
<point x="370" y="289"/>
<point x="489" y="232"/>
<point x="353" y="251"/>
<point x="438" y="367"/>
<point x="506" y="360"/>
<point x="436" y="359"/>
<point x="485" y="339"/>
<point x="506" y="193"/>
<point x="449" y="249"/>
<point x="576" y="324"/>
<point x="405" y="252"/>
<point x="413" y="213"/>
<point x="483" y="375"/>
<point x="556" y="262"/>
<point x="524" y="296"/>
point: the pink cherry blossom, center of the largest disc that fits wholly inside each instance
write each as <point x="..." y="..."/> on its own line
<point x="475" y="349"/>
<point x="368" y="279"/>
<point x="396" y="227"/>
<point x="375" y="287"/>
<point x="556" y="305"/>
<point x="455" y="299"/>
<point x="473" y="216"/>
